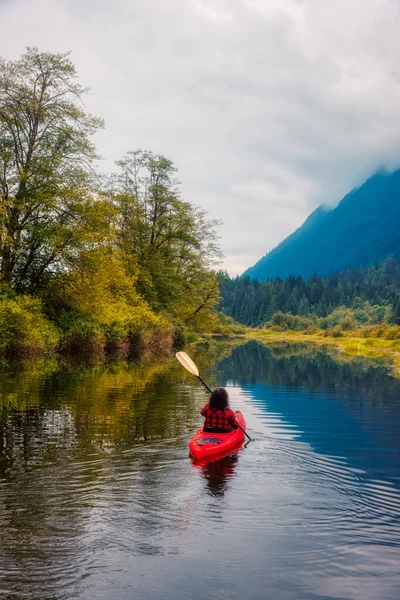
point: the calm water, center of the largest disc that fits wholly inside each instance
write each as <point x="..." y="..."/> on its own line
<point x="98" y="498"/>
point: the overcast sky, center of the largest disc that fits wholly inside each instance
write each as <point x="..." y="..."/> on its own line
<point x="267" y="107"/>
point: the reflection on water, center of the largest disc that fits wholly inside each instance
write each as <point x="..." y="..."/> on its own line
<point x="92" y="408"/>
<point x="339" y="409"/>
<point x="217" y="473"/>
<point x="99" y="499"/>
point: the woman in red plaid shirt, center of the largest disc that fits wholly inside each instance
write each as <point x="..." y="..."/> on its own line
<point x="219" y="418"/>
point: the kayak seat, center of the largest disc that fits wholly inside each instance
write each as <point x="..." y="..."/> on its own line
<point x="208" y="440"/>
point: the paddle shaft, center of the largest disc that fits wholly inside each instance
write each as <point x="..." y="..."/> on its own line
<point x="204" y="383"/>
<point x="206" y="386"/>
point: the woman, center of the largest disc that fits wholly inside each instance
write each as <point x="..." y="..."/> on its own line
<point x="219" y="418"/>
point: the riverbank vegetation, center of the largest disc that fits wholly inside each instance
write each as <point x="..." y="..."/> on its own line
<point x="357" y="325"/>
<point x="351" y="344"/>
<point x="88" y="261"/>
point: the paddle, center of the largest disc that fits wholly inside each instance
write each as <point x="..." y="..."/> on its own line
<point x="189" y="365"/>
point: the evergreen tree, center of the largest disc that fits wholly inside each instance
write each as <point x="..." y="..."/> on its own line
<point x="378" y="285"/>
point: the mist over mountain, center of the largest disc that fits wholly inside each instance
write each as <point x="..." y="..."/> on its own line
<point x="362" y="230"/>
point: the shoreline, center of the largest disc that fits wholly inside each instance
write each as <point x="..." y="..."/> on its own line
<point x="366" y="347"/>
<point x="351" y="346"/>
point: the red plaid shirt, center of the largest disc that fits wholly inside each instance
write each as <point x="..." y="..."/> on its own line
<point x="223" y="419"/>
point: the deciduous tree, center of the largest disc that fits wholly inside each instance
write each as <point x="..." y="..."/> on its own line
<point x="171" y="243"/>
<point x="46" y="158"/>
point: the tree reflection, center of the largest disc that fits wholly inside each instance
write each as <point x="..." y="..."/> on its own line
<point x="47" y="411"/>
<point x="296" y="365"/>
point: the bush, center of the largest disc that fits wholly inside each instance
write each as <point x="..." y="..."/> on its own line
<point x="225" y="325"/>
<point x="117" y="337"/>
<point x="149" y="332"/>
<point x="143" y="331"/>
<point x="24" y="329"/>
<point x="82" y="333"/>
<point x="364" y="320"/>
<point x="287" y="322"/>
<point x="364" y="314"/>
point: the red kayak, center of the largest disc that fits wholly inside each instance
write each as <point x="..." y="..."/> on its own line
<point x="204" y="443"/>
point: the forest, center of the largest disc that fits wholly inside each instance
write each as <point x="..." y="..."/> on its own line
<point x="372" y="294"/>
<point x="91" y="261"/>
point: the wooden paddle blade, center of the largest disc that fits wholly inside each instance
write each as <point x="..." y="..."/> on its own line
<point x="187" y="362"/>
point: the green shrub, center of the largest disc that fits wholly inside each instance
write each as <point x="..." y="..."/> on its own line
<point x="140" y="331"/>
<point x="347" y="324"/>
<point x="287" y="322"/>
<point x="81" y="333"/>
<point x="224" y="325"/>
<point x="364" y="320"/>
<point x="149" y="332"/>
<point x="24" y="329"/>
<point x="362" y="315"/>
<point x="117" y="336"/>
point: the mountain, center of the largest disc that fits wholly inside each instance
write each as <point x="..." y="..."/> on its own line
<point x="361" y="231"/>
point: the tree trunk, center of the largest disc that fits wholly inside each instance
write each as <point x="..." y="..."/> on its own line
<point x="9" y="252"/>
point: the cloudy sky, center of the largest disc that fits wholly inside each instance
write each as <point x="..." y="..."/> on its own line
<point x="267" y="107"/>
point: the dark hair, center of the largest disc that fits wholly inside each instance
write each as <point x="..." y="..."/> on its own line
<point x="219" y="399"/>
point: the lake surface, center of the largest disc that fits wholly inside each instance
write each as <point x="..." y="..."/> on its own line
<point x="98" y="498"/>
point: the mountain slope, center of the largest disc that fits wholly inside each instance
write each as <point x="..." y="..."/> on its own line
<point x="362" y="230"/>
